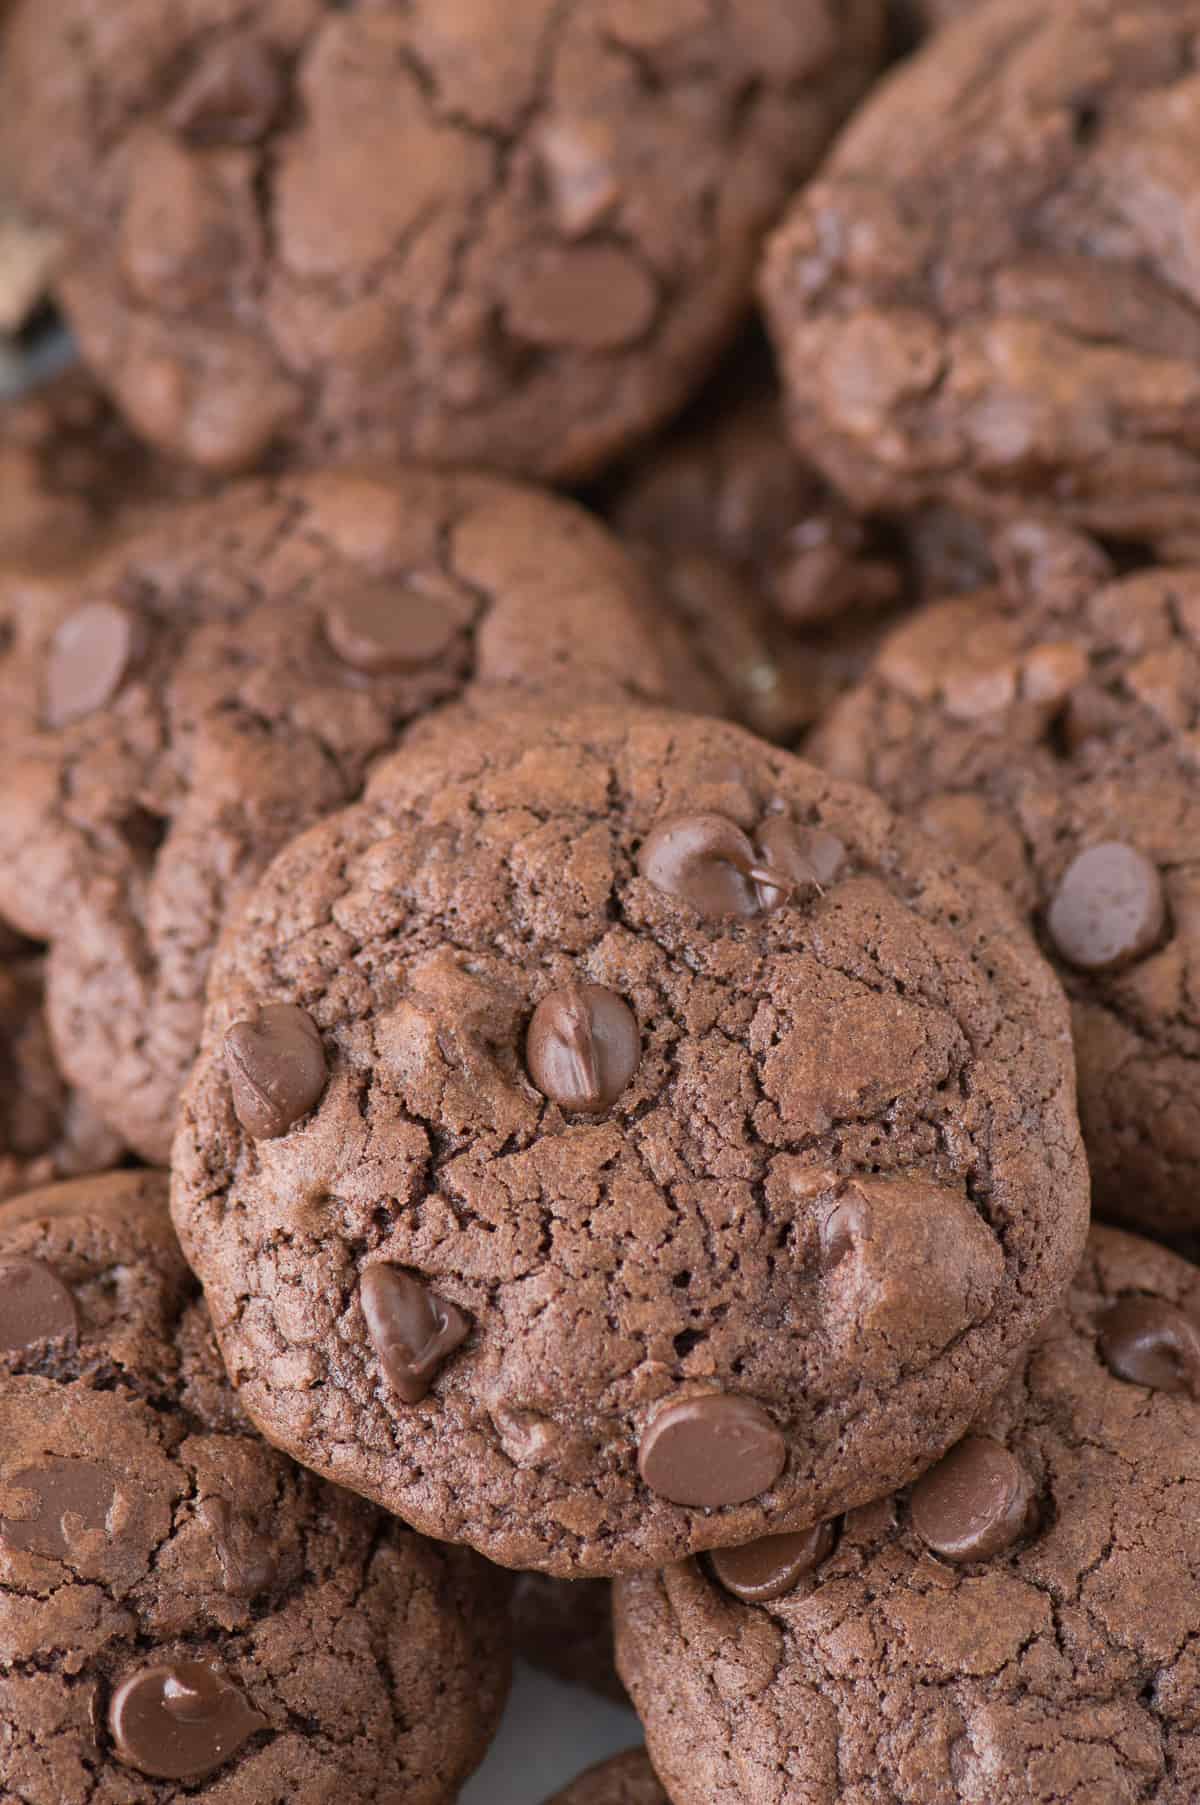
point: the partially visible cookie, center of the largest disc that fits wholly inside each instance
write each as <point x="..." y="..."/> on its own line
<point x="1048" y="729"/>
<point x="565" y="1627"/>
<point x="614" y="1136"/>
<point x="206" y="684"/>
<point x="1018" y="1627"/>
<point x="183" y="1613"/>
<point x="625" y="1780"/>
<point x="508" y="234"/>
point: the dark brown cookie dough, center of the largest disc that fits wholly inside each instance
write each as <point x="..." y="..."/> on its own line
<point x="817" y="1180"/>
<point x="1019" y="1628"/>
<point x="1027" y="727"/>
<point x="183" y="1613"/>
<point x="988" y="295"/>
<point x="208" y="685"/>
<point x="625" y="1780"/>
<point x="513" y="234"/>
<point x="565" y="1627"/>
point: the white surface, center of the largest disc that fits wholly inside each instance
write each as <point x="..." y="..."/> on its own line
<point x="550" y="1733"/>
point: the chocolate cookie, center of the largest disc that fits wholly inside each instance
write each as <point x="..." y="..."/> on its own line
<point x="209" y="685"/>
<point x="625" y="1780"/>
<point x="183" y="1613"/>
<point x="986" y="296"/>
<point x="614" y="1136"/>
<point x="1048" y="730"/>
<point x="510" y="234"/>
<point x="565" y="1627"/>
<point x="1018" y="1628"/>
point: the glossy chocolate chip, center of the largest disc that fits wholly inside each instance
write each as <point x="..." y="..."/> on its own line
<point x="711" y="1450"/>
<point x="412" y="1329"/>
<point x="583" y="1047"/>
<point x="391" y="626"/>
<point x="68" y="1496"/>
<point x="277" y="1069"/>
<point x="975" y="1503"/>
<point x="759" y="1571"/>
<point x="232" y="96"/>
<point x="1109" y="909"/>
<point x="178" y="1720"/>
<point x="707" y="862"/>
<point x="806" y="858"/>
<point x="35" y="1306"/>
<point x="245" y="1556"/>
<point x="89" y="657"/>
<point x="1150" y="1342"/>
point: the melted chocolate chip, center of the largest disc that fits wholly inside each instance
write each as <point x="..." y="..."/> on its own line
<point x="711" y="1450"/>
<point x="806" y="857"/>
<point x="759" y="1571"/>
<point x="412" y="1329"/>
<point x="277" y="1069"/>
<point x="1150" y="1342"/>
<point x="583" y="1047"/>
<point x="392" y="626"/>
<point x="1109" y="910"/>
<point x="707" y="862"/>
<point x="975" y="1503"/>
<point x="178" y="1720"/>
<point x="89" y="657"/>
<point x="70" y="1495"/>
<point x="247" y="1562"/>
<point x="35" y="1306"/>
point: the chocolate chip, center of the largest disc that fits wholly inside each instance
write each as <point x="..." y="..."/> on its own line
<point x="78" y="1489"/>
<point x="277" y="1069"/>
<point x="392" y="626"/>
<point x="590" y="297"/>
<point x="178" y="1720"/>
<point x="583" y="1047"/>
<point x="246" y="1558"/>
<point x="711" y="1450"/>
<point x="1110" y="908"/>
<point x="975" y="1503"/>
<point x="232" y="97"/>
<point x="808" y="858"/>
<point x="1149" y="1342"/>
<point x="412" y="1329"/>
<point x="708" y="862"/>
<point x="35" y="1306"/>
<point x="89" y="657"/>
<point x="760" y="1571"/>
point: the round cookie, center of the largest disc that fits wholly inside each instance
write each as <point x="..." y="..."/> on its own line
<point x="802" y="1177"/>
<point x="625" y="1780"/>
<point x="1018" y="1629"/>
<point x="986" y="295"/>
<point x="183" y="1613"/>
<point x="1029" y="727"/>
<point x="565" y="1627"/>
<point x="209" y="684"/>
<point x="564" y="236"/>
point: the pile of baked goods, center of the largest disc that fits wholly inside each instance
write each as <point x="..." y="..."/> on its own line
<point x="594" y="887"/>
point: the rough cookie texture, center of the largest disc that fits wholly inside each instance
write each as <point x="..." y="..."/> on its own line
<point x="150" y="1541"/>
<point x="47" y="1130"/>
<point x="625" y="1780"/>
<point x="1024" y="727"/>
<point x="565" y="1626"/>
<point x="203" y="689"/>
<point x="1063" y="1667"/>
<point x="512" y="232"/>
<point x="771" y="1276"/>
<point x="779" y="587"/>
<point x="989" y="294"/>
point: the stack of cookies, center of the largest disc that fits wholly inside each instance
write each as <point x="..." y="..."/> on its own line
<point x="593" y="891"/>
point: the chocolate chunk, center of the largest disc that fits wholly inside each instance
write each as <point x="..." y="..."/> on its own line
<point x="711" y="1450"/>
<point x="179" y="1720"/>
<point x="760" y="1571"/>
<point x="975" y="1503"/>
<point x="583" y="1047"/>
<point x="392" y="626"/>
<point x="1149" y="1342"/>
<point x="64" y="1489"/>
<point x="1110" y="908"/>
<point x="707" y="862"/>
<point x="35" y="1306"/>
<point x="89" y="657"/>
<point x="247" y="1562"/>
<point x="232" y="96"/>
<point x="277" y="1069"/>
<point x="412" y="1329"/>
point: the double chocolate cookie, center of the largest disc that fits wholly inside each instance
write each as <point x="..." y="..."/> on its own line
<point x="1049" y="731"/>
<point x="513" y="234"/>
<point x="183" y="1613"/>
<point x="625" y="1780"/>
<point x="988" y="294"/>
<point x="209" y="684"/>
<point x="615" y="1137"/>
<point x="1017" y="1628"/>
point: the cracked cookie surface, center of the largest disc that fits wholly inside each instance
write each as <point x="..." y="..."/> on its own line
<point x="1025" y="727"/>
<point x="625" y="1780"/>
<point x="1060" y="1666"/>
<point x="184" y="1613"/>
<point x="989" y="294"/>
<point x="802" y="1176"/>
<point x="205" y="686"/>
<point x="512" y="232"/>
